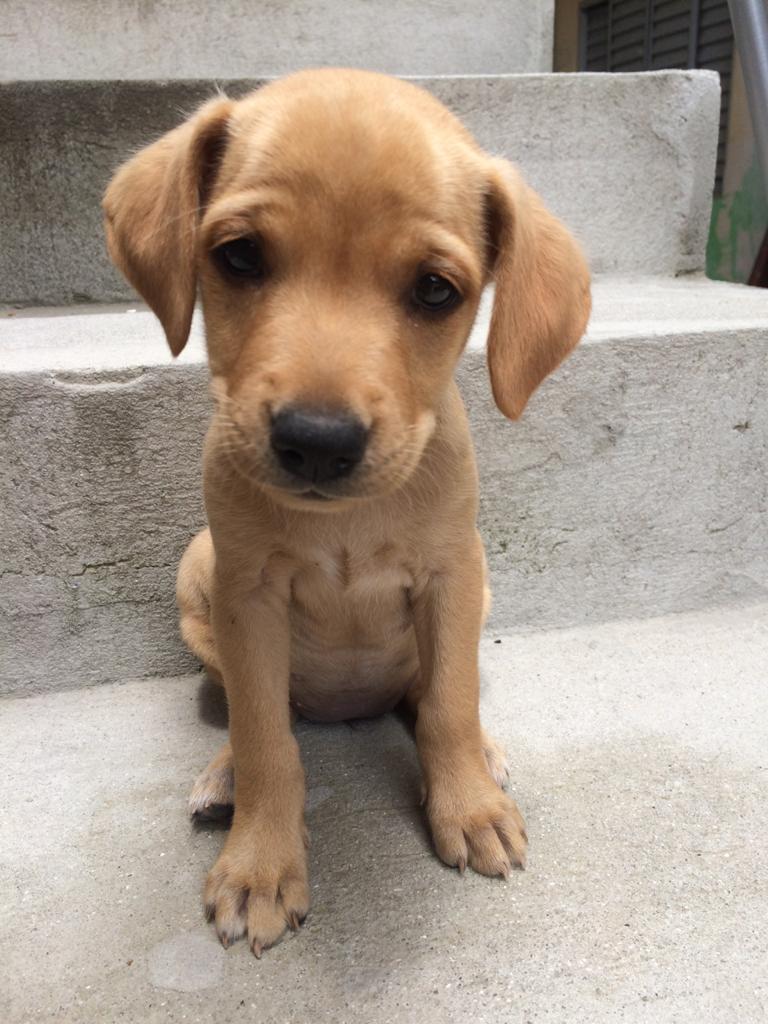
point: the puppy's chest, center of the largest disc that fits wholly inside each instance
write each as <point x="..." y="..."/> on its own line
<point x="345" y="579"/>
<point x="353" y="651"/>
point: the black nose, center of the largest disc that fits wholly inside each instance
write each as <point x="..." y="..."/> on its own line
<point x="317" y="446"/>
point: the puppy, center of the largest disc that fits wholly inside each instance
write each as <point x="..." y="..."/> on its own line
<point x="340" y="227"/>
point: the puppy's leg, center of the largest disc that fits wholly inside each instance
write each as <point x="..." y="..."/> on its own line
<point x="213" y="794"/>
<point x="473" y="822"/>
<point x="259" y="883"/>
<point x="494" y="753"/>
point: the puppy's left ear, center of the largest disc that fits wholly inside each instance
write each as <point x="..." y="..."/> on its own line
<point x="542" y="300"/>
<point x="151" y="211"/>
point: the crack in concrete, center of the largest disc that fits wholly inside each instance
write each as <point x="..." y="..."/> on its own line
<point x="90" y="566"/>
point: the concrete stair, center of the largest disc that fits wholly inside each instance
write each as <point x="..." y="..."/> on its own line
<point x="634" y="183"/>
<point x="633" y="485"/>
<point x="144" y="39"/>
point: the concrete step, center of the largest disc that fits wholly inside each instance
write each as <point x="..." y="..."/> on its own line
<point x="634" y="184"/>
<point x="638" y="754"/>
<point x="635" y="483"/>
<point x="197" y="38"/>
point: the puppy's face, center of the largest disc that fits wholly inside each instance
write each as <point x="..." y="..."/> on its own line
<point x="341" y="227"/>
<point x="341" y="260"/>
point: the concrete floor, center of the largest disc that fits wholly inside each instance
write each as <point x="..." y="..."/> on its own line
<point x="640" y="760"/>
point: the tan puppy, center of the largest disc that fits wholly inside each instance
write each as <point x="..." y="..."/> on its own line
<point x="340" y="227"/>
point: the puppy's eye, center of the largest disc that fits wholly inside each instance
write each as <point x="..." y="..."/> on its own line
<point x="434" y="293"/>
<point x="242" y="257"/>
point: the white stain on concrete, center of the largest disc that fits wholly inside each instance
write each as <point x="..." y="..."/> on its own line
<point x="188" y="962"/>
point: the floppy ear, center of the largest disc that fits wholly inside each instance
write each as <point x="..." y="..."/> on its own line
<point x="542" y="299"/>
<point x="152" y="208"/>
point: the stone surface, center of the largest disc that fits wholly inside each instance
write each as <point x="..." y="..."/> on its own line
<point x="639" y="761"/>
<point x="634" y="484"/>
<point x="65" y="39"/>
<point x="634" y="183"/>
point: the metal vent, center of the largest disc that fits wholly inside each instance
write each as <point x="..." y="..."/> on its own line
<point x="648" y="35"/>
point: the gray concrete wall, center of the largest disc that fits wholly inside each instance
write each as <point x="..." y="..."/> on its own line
<point x="626" y="160"/>
<point x="634" y="484"/>
<point x="79" y="39"/>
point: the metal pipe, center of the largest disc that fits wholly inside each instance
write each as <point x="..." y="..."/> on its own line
<point x="750" y="29"/>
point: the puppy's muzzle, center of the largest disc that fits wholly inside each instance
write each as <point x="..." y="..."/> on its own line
<point x="315" y="446"/>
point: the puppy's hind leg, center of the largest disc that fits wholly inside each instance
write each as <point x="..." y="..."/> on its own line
<point x="193" y="586"/>
<point x="213" y="793"/>
<point x="496" y="759"/>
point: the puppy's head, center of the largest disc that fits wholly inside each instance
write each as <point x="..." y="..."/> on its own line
<point x="340" y="227"/>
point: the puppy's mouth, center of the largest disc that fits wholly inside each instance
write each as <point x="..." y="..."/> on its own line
<point x="314" y="495"/>
<point x="320" y="497"/>
<point x="358" y="488"/>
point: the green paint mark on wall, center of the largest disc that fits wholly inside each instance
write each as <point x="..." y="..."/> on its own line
<point x="737" y="227"/>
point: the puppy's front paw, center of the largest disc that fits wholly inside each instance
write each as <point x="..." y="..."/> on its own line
<point x="474" y="823"/>
<point x="258" y="886"/>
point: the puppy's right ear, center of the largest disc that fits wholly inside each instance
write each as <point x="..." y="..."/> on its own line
<point x="152" y="208"/>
